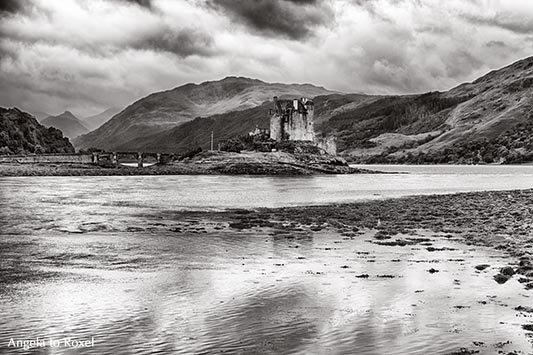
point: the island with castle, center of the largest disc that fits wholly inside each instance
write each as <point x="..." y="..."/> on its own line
<point x="289" y="146"/>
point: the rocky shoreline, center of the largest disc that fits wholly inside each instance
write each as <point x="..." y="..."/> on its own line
<point x="500" y="220"/>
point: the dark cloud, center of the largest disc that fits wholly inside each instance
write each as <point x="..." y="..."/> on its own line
<point x="121" y="50"/>
<point x="294" y="19"/>
<point x="152" y="36"/>
<point x="183" y="43"/>
<point x="10" y="6"/>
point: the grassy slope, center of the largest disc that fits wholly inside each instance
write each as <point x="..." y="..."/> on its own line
<point x="487" y="120"/>
<point x="197" y="133"/>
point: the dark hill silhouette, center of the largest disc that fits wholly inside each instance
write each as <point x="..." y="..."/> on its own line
<point x="20" y="133"/>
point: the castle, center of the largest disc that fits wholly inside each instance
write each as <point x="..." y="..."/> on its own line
<point x="293" y="120"/>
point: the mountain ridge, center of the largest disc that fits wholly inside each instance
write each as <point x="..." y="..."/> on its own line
<point x="167" y="109"/>
<point x="486" y="120"/>
<point x="70" y="125"/>
<point x="471" y="123"/>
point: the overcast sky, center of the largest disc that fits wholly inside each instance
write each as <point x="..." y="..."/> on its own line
<point x="88" y="55"/>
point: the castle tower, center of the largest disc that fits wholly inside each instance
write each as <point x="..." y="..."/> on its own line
<point x="292" y="120"/>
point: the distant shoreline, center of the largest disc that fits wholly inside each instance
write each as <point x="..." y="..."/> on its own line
<point x="274" y="169"/>
<point x="202" y="163"/>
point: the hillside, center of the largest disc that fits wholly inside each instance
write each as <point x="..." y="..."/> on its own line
<point x="20" y="133"/>
<point x="69" y="124"/>
<point x="197" y="133"/>
<point x="167" y="109"/>
<point x="488" y="120"/>
<point x="355" y="120"/>
<point x="95" y="121"/>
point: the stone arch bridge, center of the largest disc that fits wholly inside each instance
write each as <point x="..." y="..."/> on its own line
<point x="111" y="159"/>
<point x="115" y="158"/>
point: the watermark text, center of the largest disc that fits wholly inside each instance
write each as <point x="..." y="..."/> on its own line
<point x="28" y="344"/>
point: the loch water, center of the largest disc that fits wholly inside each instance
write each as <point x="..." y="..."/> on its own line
<point x="88" y="257"/>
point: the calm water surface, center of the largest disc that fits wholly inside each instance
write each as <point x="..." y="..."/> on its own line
<point x="90" y="257"/>
<point x="219" y="192"/>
